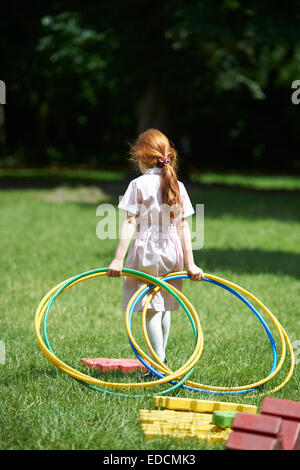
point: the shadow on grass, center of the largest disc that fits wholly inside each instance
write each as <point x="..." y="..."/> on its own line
<point x="229" y="201"/>
<point x="249" y="261"/>
<point x="51" y="177"/>
<point x="219" y="201"/>
<point x="246" y="204"/>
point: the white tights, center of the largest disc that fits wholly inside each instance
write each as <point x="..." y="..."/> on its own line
<point x="158" y="327"/>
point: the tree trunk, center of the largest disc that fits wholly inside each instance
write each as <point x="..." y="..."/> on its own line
<point x="151" y="112"/>
<point x="42" y="132"/>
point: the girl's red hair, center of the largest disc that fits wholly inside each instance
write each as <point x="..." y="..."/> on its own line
<point x="148" y="148"/>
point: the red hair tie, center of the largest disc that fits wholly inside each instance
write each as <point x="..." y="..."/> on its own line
<point x="163" y="161"/>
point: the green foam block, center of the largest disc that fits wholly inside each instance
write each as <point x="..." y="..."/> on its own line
<point x="223" y="419"/>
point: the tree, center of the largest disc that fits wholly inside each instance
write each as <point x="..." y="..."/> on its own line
<point x="211" y="74"/>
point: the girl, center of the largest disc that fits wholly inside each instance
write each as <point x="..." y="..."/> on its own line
<point x="157" y="206"/>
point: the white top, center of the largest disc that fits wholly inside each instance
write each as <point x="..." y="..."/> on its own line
<point x="156" y="248"/>
<point x="143" y="198"/>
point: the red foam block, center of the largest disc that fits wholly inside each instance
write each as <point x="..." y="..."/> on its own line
<point x="248" y="441"/>
<point x="286" y="409"/>
<point x="290" y="435"/>
<point x="106" y="364"/>
<point x="258" y="424"/>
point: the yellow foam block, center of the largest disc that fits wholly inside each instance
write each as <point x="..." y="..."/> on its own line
<point x="170" y="416"/>
<point x="201" y="406"/>
<point x="180" y="425"/>
<point x="150" y="431"/>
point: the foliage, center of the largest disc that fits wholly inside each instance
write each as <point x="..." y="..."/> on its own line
<point x="214" y="75"/>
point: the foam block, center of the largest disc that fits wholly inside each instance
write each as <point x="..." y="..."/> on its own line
<point x="290" y="435"/>
<point x="285" y="409"/>
<point x="181" y="424"/>
<point x="249" y="441"/>
<point x="106" y="364"/>
<point x="200" y="406"/>
<point x="224" y="419"/>
<point x="258" y="424"/>
<point x="289" y="411"/>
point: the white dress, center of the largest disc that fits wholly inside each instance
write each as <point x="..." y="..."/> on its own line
<point x="156" y="247"/>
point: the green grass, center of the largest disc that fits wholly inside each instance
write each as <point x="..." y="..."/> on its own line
<point x="263" y="182"/>
<point x="251" y="239"/>
<point x="55" y="175"/>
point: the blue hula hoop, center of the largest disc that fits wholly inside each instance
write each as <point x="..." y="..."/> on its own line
<point x="234" y="292"/>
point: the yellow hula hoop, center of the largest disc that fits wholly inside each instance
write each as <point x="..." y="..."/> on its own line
<point x="284" y="339"/>
<point x="40" y="312"/>
<point x="159" y="365"/>
<point x="282" y="335"/>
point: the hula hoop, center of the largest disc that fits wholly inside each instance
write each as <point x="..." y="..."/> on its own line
<point x="147" y="358"/>
<point x="44" y="309"/>
<point x="229" y="286"/>
<point x="183" y="372"/>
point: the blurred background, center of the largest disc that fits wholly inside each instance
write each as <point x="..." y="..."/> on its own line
<point x="83" y="79"/>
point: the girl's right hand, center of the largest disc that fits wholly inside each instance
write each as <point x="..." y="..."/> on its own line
<point x="195" y="272"/>
<point x="115" y="268"/>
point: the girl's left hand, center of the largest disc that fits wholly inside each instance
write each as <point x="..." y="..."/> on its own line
<point x="195" y="273"/>
<point x="115" y="268"/>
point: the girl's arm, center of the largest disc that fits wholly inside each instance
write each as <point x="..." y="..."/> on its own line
<point x="127" y="231"/>
<point x="185" y="235"/>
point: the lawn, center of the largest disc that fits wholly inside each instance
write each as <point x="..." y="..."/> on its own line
<point x="248" y="180"/>
<point x="49" y="235"/>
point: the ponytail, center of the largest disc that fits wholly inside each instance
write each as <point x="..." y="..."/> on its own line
<point x="170" y="187"/>
<point x="154" y="149"/>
